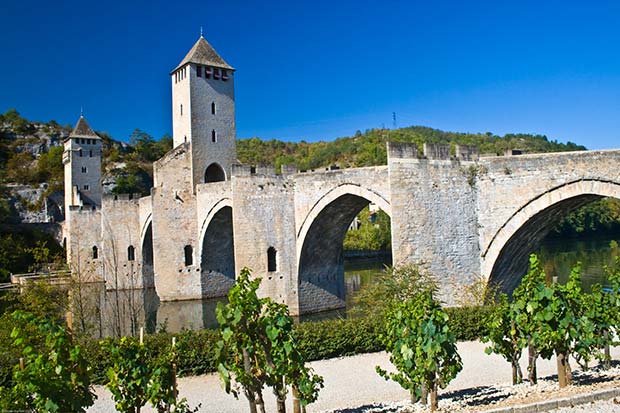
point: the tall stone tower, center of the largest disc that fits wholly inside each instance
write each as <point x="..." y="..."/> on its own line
<point x="82" y="160"/>
<point x="203" y="112"/>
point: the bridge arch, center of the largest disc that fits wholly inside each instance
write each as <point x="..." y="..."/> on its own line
<point x="320" y="266"/>
<point x="217" y="251"/>
<point x="505" y="260"/>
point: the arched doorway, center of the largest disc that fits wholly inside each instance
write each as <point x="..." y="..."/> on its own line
<point x="214" y="173"/>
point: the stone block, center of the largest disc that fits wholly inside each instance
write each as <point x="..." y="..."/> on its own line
<point x="436" y="151"/>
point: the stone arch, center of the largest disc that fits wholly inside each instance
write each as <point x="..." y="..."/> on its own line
<point x="505" y="260"/>
<point x="217" y="251"/>
<point x="148" y="271"/>
<point x="319" y="246"/>
<point x="214" y="173"/>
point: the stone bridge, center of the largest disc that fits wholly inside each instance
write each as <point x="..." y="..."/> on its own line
<point x="460" y="216"/>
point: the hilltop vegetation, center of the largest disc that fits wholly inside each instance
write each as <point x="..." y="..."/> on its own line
<point x="369" y="148"/>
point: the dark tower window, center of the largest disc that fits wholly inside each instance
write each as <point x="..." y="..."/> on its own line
<point x="213" y="108"/>
<point x="181" y="109"/>
<point x="271" y="259"/>
<point x="90" y="153"/>
<point x="208" y="72"/>
<point x="131" y="253"/>
<point x="214" y="173"/>
<point x="189" y="259"/>
<point x="199" y="71"/>
<point x="84" y="170"/>
<point x="213" y="136"/>
<point x="80" y="152"/>
<point x="87" y="187"/>
<point x="95" y="252"/>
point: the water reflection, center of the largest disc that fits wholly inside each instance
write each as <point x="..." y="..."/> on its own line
<point x="560" y="255"/>
<point x="103" y="313"/>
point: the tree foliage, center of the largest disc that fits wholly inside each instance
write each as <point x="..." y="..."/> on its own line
<point x="373" y="234"/>
<point x="396" y="284"/>
<point x="52" y="376"/>
<point x="421" y="347"/>
<point x="258" y="348"/>
<point x="505" y="336"/>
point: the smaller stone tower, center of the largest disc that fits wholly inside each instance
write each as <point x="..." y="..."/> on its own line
<point x="203" y="112"/>
<point x="82" y="160"/>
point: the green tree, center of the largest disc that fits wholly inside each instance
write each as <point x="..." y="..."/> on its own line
<point x="53" y="377"/>
<point x="526" y="301"/>
<point x="396" y="284"/>
<point x="257" y="348"/>
<point x="563" y="329"/>
<point x="505" y="337"/>
<point x="285" y="364"/>
<point x="421" y="347"/>
<point x="128" y="378"/>
<point x="238" y="353"/>
<point x="373" y="234"/>
<point x="162" y="388"/>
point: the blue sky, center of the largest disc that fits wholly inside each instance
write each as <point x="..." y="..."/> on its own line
<point x="323" y="69"/>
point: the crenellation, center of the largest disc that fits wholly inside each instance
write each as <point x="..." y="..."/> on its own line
<point x="289" y="169"/>
<point x="436" y="151"/>
<point x="467" y="153"/>
<point x="402" y="150"/>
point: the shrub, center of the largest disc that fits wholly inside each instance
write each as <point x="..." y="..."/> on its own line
<point x="52" y="375"/>
<point x="421" y="347"/>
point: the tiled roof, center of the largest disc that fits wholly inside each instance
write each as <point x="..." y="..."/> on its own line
<point x="204" y="54"/>
<point x="83" y="130"/>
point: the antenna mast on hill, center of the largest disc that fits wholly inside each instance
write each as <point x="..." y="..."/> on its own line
<point x="393" y="120"/>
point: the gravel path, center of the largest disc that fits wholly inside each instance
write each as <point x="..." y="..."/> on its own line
<point x="352" y="385"/>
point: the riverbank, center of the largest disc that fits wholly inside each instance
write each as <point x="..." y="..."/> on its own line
<point x="352" y="386"/>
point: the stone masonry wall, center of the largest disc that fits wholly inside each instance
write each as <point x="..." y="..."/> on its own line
<point x="434" y="220"/>
<point x="264" y="216"/>
<point x="82" y="231"/>
<point x="120" y="229"/>
<point x="203" y="93"/>
<point x="174" y="226"/>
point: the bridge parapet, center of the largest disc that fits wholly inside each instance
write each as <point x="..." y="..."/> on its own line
<point x="402" y="150"/>
<point x="436" y="151"/>
<point x="467" y="153"/>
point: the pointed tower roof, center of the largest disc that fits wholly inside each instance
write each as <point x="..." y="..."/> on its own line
<point x="83" y="130"/>
<point x="204" y="54"/>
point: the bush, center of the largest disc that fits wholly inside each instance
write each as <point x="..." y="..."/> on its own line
<point x="335" y="338"/>
<point x="469" y="323"/>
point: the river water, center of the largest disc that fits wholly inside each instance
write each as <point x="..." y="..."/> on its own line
<point x="125" y="312"/>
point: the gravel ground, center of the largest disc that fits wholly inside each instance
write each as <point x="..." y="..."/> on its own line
<point x="352" y="386"/>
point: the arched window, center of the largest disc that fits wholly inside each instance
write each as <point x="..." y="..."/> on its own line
<point x="95" y="252"/>
<point x="189" y="258"/>
<point x="271" y="259"/>
<point x="213" y="136"/>
<point x="213" y="108"/>
<point x="214" y="173"/>
<point x="131" y="253"/>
